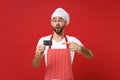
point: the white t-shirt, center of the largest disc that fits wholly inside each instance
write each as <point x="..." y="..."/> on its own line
<point x="59" y="45"/>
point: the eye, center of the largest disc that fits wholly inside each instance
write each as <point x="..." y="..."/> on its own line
<point x="54" y="20"/>
<point x="60" y="20"/>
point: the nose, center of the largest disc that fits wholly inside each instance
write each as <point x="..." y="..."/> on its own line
<point x="57" y="22"/>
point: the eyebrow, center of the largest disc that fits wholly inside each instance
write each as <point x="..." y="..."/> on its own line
<point x="59" y="18"/>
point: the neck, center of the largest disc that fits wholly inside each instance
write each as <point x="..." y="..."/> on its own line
<point x="58" y="37"/>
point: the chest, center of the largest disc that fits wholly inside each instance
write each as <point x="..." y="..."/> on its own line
<point x="58" y="45"/>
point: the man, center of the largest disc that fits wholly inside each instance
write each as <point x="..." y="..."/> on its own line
<point x="59" y="56"/>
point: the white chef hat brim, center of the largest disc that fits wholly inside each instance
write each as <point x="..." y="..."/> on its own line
<point x="61" y="13"/>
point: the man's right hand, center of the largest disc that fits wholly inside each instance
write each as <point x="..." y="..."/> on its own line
<point x="40" y="49"/>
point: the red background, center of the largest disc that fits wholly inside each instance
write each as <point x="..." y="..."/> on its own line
<point x="95" y="22"/>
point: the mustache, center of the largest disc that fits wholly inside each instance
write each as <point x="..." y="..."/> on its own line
<point x="57" y="26"/>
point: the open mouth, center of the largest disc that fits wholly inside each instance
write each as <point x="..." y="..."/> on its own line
<point x="57" y="28"/>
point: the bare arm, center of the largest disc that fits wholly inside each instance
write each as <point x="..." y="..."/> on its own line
<point x="80" y="49"/>
<point x="38" y="56"/>
<point x="36" y="61"/>
<point x="86" y="52"/>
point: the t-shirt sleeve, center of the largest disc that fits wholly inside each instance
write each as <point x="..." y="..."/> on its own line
<point x="40" y="41"/>
<point x="74" y="39"/>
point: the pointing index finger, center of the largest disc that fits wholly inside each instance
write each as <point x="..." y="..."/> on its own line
<point x="66" y="43"/>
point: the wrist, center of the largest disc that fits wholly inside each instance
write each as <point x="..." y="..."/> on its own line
<point x="38" y="53"/>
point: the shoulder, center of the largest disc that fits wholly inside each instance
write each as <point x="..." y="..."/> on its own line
<point x="41" y="39"/>
<point x="46" y="37"/>
<point x="73" y="39"/>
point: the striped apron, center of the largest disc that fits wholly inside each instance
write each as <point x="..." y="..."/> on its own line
<point x="58" y="64"/>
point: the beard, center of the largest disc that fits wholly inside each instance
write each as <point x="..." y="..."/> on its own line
<point x="58" y="29"/>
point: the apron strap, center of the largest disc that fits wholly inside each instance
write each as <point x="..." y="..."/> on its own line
<point x="65" y="40"/>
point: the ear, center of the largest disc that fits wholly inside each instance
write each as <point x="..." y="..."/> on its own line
<point x="51" y="21"/>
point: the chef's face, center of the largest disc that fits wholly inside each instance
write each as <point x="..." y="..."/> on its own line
<point x="58" y="24"/>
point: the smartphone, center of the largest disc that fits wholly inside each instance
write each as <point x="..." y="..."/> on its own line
<point x="47" y="42"/>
